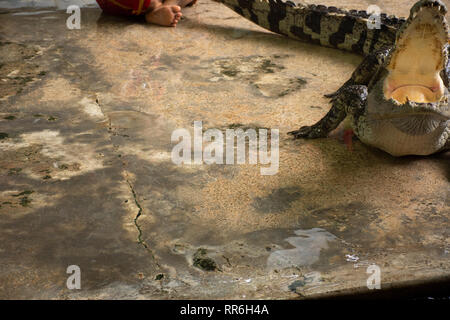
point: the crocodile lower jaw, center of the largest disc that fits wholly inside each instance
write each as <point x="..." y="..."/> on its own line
<point x="420" y="136"/>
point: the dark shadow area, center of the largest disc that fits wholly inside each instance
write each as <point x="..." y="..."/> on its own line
<point x="262" y="38"/>
<point x="438" y="289"/>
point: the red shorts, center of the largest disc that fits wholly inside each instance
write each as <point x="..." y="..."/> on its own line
<point x="124" y="7"/>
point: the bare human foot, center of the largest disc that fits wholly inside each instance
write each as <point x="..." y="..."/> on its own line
<point x="164" y="15"/>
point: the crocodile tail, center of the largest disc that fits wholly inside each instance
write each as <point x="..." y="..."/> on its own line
<point x="326" y="26"/>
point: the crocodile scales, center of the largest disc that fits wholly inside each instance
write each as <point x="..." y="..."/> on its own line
<point x="397" y="98"/>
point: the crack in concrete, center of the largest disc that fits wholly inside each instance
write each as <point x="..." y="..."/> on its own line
<point x="141" y="241"/>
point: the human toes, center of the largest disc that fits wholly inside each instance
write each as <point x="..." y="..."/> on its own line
<point x="176" y="9"/>
<point x="176" y="15"/>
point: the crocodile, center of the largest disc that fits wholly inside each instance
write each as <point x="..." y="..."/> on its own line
<point x="397" y="99"/>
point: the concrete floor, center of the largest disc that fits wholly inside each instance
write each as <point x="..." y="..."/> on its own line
<point x="86" y="176"/>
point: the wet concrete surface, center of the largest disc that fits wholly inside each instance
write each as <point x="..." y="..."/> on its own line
<point x="86" y="176"/>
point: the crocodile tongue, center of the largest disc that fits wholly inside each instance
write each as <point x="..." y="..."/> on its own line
<point x="414" y="93"/>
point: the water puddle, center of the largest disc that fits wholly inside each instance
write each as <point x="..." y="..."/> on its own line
<point x="307" y="243"/>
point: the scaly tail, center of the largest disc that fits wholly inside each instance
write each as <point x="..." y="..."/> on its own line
<point x="326" y="26"/>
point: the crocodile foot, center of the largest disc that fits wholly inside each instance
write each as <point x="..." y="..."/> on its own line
<point x="308" y="132"/>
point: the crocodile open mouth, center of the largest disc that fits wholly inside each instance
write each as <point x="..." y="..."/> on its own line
<point x="419" y="57"/>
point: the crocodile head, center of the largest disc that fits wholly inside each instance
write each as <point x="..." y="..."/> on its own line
<point x="413" y="75"/>
<point x="408" y="101"/>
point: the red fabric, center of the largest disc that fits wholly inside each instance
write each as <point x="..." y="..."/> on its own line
<point x="124" y="7"/>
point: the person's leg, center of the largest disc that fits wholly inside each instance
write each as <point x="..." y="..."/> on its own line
<point x="163" y="14"/>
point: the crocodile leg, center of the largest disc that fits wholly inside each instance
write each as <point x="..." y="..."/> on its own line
<point x="446" y="71"/>
<point x="365" y="71"/>
<point x="347" y="98"/>
<point x="446" y="78"/>
<point x="350" y="100"/>
<point x="323" y="126"/>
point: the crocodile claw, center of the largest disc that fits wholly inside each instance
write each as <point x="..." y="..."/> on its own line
<point x="332" y="95"/>
<point x="308" y="132"/>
